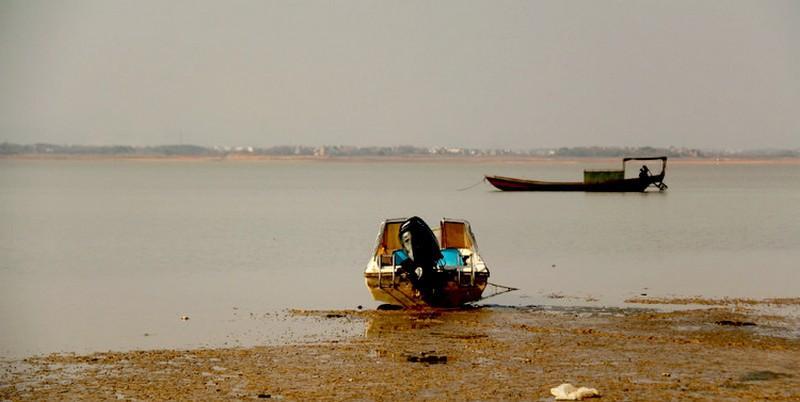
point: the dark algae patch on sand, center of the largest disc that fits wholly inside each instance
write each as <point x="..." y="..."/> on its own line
<point x="489" y="354"/>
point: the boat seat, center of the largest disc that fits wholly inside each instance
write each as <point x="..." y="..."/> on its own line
<point x="451" y="257"/>
<point x="385" y="260"/>
<point x="399" y="256"/>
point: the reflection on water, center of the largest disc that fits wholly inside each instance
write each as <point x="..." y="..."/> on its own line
<point x="455" y="323"/>
<point x="95" y="254"/>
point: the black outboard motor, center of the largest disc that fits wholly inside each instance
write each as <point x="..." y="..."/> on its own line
<point x="420" y="244"/>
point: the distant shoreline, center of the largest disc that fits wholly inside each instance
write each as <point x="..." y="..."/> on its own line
<point x="395" y="159"/>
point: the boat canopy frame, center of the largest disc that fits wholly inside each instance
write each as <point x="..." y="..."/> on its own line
<point x="663" y="160"/>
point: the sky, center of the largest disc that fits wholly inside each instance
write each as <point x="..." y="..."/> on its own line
<point x="482" y="74"/>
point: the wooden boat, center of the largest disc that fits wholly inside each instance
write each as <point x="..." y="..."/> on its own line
<point x="459" y="276"/>
<point x="593" y="180"/>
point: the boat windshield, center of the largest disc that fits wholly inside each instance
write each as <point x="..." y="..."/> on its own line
<point x="455" y="235"/>
<point x="390" y="238"/>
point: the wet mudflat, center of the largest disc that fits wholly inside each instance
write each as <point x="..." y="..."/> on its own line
<point x="479" y="354"/>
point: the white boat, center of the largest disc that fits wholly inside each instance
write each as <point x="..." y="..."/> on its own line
<point x="453" y="275"/>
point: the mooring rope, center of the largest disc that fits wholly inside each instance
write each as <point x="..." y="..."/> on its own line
<point x="498" y="290"/>
<point x="473" y="185"/>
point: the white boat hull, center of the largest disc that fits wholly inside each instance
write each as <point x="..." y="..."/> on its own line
<point x="461" y="278"/>
<point x="400" y="291"/>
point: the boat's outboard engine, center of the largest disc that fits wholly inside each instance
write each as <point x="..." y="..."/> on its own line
<point x="420" y="244"/>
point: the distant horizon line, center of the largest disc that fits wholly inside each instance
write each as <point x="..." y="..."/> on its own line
<point x="396" y="146"/>
<point x="349" y="151"/>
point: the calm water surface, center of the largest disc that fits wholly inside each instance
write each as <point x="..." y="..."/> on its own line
<point x="98" y="255"/>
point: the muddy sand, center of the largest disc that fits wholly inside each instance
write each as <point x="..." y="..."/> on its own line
<point x="495" y="353"/>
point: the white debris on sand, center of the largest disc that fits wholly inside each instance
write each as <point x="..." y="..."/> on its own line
<point x="568" y="392"/>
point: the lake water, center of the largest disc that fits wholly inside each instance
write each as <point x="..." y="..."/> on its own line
<point x="99" y="255"/>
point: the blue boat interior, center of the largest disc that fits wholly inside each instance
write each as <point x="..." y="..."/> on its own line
<point x="451" y="257"/>
<point x="400" y="256"/>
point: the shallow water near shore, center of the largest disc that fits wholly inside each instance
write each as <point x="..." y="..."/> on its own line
<point x="109" y="255"/>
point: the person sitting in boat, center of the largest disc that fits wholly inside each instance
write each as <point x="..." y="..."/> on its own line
<point x="420" y="244"/>
<point x="644" y="172"/>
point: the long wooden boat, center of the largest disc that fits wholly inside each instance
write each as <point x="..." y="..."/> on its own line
<point x="458" y="276"/>
<point x="593" y="180"/>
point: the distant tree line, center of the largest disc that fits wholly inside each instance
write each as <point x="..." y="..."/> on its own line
<point x="7" y="148"/>
<point x="627" y="151"/>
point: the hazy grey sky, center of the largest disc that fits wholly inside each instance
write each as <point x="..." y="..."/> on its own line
<point x="517" y="74"/>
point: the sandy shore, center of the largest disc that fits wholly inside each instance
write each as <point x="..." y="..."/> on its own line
<point x="480" y="354"/>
